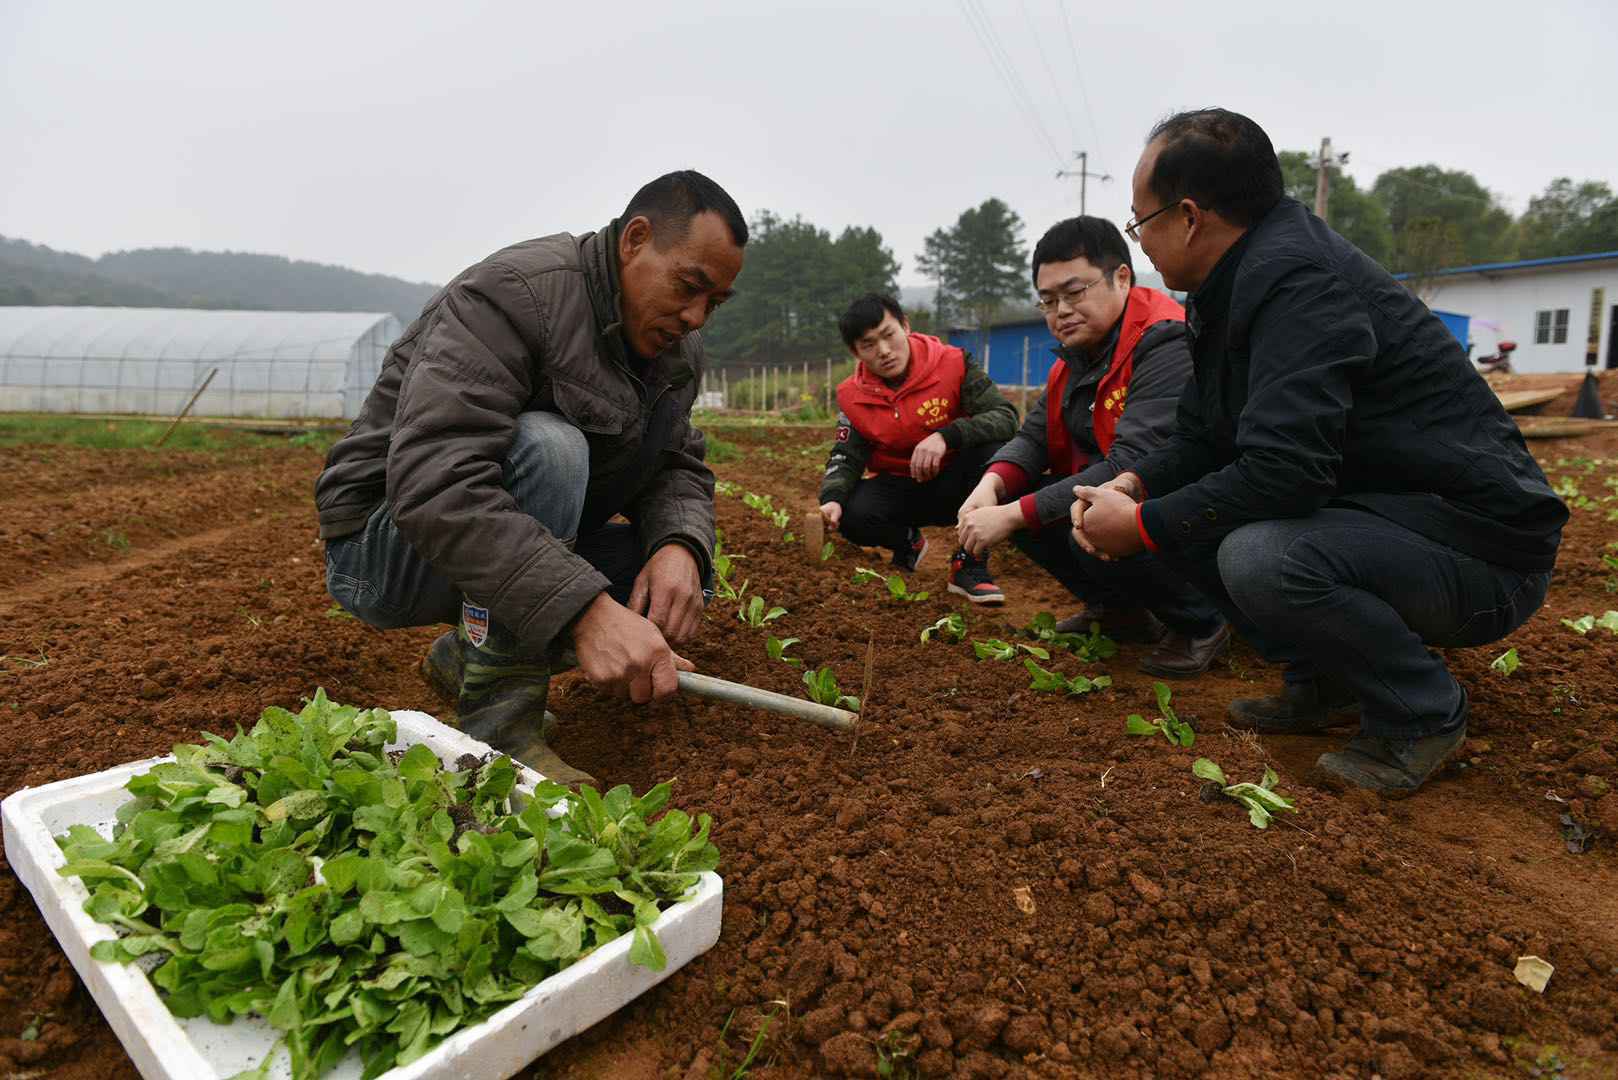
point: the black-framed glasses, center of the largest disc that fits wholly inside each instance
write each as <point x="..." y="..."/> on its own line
<point x="1070" y="297"/>
<point x="1132" y="229"/>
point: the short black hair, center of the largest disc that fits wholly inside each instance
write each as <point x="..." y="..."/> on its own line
<point x="1092" y="238"/>
<point x="866" y="314"/>
<point x="673" y="199"/>
<point x="1220" y="160"/>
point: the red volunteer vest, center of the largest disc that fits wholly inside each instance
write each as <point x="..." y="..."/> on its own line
<point x="895" y="419"/>
<point x="1145" y="308"/>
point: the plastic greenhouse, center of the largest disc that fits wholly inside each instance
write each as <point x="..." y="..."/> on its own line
<point x="279" y="364"/>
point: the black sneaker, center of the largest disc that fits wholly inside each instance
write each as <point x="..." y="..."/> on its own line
<point x="909" y="557"/>
<point x="1394" y="768"/>
<point x="970" y="578"/>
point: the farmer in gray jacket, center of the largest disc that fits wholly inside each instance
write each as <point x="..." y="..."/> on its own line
<point x="543" y="392"/>
<point x="1122" y="365"/>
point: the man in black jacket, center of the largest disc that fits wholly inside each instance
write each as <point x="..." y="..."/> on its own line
<point x="1340" y="480"/>
<point x="1109" y="401"/>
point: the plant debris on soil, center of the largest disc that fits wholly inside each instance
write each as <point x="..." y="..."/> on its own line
<point x="991" y="882"/>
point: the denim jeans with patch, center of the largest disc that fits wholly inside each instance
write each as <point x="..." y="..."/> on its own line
<point x="379" y="578"/>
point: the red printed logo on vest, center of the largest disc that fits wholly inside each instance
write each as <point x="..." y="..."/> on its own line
<point x="1114" y="402"/>
<point x="842" y="432"/>
<point x="933" y="411"/>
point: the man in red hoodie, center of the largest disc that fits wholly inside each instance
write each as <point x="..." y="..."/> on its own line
<point x="925" y="419"/>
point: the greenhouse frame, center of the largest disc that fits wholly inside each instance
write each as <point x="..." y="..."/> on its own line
<point x="149" y="361"/>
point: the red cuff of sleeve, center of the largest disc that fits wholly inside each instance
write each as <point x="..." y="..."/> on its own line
<point x="1030" y="515"/>
<point x="1140" y="525"/>
<point x="1016" y="479"/>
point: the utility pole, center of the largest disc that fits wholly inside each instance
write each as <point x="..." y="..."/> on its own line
<point x="1322" y="177"/>
<point x="1083" y="173"/>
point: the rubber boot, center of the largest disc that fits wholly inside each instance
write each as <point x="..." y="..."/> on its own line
<point x="444" y="664"/>
<point x="502" y="699"/>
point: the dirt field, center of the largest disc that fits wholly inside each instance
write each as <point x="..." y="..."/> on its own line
<point x="989" y="882"/>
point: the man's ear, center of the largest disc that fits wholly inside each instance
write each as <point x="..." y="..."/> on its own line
<point x="905" y="322"/>
<point x="1123" y="277"/>
<point x="635" y="236"/>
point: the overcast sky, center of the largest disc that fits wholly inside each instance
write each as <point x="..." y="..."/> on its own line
<point x="413" y="139"/>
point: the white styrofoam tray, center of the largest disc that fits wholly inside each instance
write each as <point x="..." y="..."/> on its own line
<point x="164" y="1047"/>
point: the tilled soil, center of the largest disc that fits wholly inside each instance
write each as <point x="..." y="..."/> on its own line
<point x="988" y="881"/>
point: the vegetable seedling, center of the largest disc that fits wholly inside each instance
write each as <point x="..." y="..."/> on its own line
<point x="897" y="589"/>
<point x="429" y="888"/>
<point x="827" y="550"/>
<point x="823" y="690"/>
<point x="995" y="649"/>
<point x="1506" y="662"/>
<point x="1261" y="799"/>
<point x="949" y="628"/>
<point x="752" y="613"/>
<point x="1054" y="682"/>
<point x="777" y="648"/>
<point x="1586" y="623"/>
<point x="1175" y="730"/>
<point x="1087" y="647"/>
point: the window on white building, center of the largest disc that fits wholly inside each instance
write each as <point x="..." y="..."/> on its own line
<point x="1550" y="327"/>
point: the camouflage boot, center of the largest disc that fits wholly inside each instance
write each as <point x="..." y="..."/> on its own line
<point x="502" y="698"/>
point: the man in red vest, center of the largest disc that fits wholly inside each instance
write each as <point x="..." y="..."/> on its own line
<point x="1110" y="400"/>
<point x="925" y="420"/>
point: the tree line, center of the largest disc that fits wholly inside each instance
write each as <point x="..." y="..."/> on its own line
<point x="1416" y="219"/>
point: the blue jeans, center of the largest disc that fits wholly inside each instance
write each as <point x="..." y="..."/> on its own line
<point x="380" y="579"/>
<point x="1139" y="581"/>
<point x="1354" y="597"/>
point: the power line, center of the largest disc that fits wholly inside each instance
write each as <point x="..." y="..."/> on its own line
<point x="1061" y="99"/>
<point x="990" y="43"/>
<point x="1078" y="73"/>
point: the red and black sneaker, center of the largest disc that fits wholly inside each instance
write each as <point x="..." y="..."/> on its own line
<point x="970" y="578"/>
<point x="909" y="557"/>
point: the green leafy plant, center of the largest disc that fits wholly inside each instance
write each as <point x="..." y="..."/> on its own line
<point x="827" y="550"/>
<point x="753" y="614"/>
<point x="1506" y="662"/>
<point x="726" y="487"/>
<point x="777" y="648"/>
<point x="1175" y="730"/>
<point x="357" y="897"/>
<point x="897" y="589"/>
<point x="949" y="628"/>
<point x="1089" y="647"/>
<point x="995" y="649"/>
<point x="1261" y="799"/>
<point x="1610" y="560"/>
<point x="1054" y="682"/>
<point x="762" y="503"/>
<point x="823" y="690"/>
<point x="723" y="564"/>
<point x="1586" y="623"/>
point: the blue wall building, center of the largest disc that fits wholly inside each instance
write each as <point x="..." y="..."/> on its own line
<point x="1002" y="344"/>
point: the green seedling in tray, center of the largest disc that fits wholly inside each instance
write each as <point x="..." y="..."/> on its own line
<point x="356" y="897"/>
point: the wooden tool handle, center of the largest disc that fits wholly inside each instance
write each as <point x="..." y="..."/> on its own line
<point x="740" y="694"/>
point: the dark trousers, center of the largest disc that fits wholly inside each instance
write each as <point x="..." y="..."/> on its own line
<point x="1139" y="581"/>
<point x="1348" y="595"/>
<point x="882" y="509"/>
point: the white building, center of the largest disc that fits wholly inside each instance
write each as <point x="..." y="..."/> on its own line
<point x="288" y="364"/>
<point x="1562" y="312"/>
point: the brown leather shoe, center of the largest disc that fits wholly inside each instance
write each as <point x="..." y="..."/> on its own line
<point x="1180" y="656"/>
<point x="1127" y="626"/>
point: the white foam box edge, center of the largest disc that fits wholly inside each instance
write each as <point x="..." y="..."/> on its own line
<point x="163" y="1047"/>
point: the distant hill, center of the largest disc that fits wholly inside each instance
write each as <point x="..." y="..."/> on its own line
<point x="32" y="274"/>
